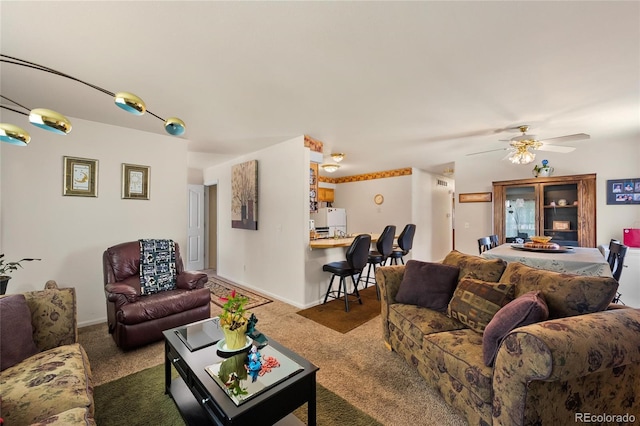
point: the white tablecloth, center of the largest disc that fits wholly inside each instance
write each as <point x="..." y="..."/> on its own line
<point x="579" y="260"/>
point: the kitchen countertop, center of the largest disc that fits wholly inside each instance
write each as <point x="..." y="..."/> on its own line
<point x="324" y="243"/>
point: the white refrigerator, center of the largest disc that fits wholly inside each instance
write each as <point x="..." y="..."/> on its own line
<point x="333" y="218"/>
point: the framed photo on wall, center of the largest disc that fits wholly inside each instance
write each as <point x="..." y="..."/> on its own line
<point x="80" y="177"/>
<point x="135" y="181"/>
<point x="623" y="191"/>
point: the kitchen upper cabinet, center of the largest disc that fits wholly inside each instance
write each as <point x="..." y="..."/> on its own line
<point x="562" y="207"/>
<point x="326" y="194"/>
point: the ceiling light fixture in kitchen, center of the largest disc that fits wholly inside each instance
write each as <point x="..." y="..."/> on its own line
<point x="338" y="157"/>
<point x="330" y="168"/>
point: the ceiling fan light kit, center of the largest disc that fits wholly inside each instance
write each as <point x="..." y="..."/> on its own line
<point x="520" y="146"/>
<point x="57" y="123"/>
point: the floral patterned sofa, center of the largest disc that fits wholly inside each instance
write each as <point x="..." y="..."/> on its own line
<point x="582" y="361"/>
<point x="52" y="385"/>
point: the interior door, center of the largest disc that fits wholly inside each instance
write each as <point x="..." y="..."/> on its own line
<point x="195" y="233"/>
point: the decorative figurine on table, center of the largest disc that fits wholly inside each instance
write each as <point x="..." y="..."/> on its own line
<point x="258" y="338"/>
<point x="254" y="365"/>
<point x="251" y="325"/>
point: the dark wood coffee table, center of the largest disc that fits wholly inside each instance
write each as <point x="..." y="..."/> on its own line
<point x="202" y="401"/>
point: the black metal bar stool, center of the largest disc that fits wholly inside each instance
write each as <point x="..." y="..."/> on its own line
<point x="384" y="247"/>
<point x="356" y="255"/>
<point x="405" y="243"/>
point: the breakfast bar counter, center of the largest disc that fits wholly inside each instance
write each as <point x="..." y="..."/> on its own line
<point x="324" y="243"/>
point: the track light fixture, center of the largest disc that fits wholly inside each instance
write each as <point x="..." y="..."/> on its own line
<point x="55" y="122"/>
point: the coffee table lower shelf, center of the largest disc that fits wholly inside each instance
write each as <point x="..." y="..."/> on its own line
<point x="194" y="414"/>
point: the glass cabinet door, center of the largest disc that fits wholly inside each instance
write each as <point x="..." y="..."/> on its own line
<point x="520" y="218"/>
<point x="560" y="213"/>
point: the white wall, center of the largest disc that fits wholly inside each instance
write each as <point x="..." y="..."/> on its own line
<point x="432" y="213"/>
<point x="71" y="233"/>
<point x="365" y="216"/>
<point x="608" y="159"/>
<point x="271" y="259"/>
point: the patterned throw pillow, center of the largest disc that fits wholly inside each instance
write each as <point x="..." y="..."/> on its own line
<point x="475" y="302"/>
<point x="476" y="267"/>
<point x="157" y="266"/>
<point x="429" y="285"/>
<point x="529" y="308"/>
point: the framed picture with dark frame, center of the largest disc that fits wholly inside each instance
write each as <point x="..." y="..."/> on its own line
<point x="135" y="181"/>
<point x="623" y="191"/>
<point x="80" y="177"/>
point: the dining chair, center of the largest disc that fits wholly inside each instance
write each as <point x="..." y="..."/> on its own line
<point x="356" y="259"/>
<point x="384" y="247"/>
<point x="405" y="243"/>
<point x="617" y="253"/>
<point x="494" y="241"/>
<point x="484" y="244"/>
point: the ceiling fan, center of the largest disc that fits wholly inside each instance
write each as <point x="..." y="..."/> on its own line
<point x="520" y="146"/>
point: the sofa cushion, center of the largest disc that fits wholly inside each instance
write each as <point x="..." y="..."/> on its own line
<point x="429" y="285"/>
<point x="476" y="267"/>
<point x="475" y="302"/>
<point x="565" y="294"/>
<point x="16" y="332"/>
<point x="46" y="384"/>
<point x="73" y="416"/>
<point x="163" y="304"/>
<point x="53" y="315"/>
<point x="524" y="310"/>
<point x="457" y="358"/>
<point x="415" y="321"/>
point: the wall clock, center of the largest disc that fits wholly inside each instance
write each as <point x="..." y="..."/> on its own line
<point x="378" y="199"/>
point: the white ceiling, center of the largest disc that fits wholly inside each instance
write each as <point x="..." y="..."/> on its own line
<point x="391" y="84"/>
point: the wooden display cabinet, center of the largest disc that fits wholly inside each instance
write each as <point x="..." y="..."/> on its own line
<point x="563" y="207"/>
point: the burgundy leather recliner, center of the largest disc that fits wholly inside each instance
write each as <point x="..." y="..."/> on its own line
<point x="135" y="319"/>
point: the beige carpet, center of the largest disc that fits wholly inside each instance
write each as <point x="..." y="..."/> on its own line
<point x="356" y="365"/>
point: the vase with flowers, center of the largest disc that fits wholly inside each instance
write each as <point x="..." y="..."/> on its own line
<point x="542" y="171"/>
<point x="234" y="320"/>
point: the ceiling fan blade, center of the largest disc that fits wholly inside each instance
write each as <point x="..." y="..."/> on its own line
<point x="556" y="148"/>
<point x="484" y="152"/>
<point x="576" y="137"/>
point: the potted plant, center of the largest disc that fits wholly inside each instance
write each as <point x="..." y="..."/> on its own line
<point x="234" y="320"/>
<point x="542" y="171"/>
<point x="8" y="267"/>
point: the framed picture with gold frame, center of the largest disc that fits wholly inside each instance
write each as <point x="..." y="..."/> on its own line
<point x="135" y="181"/>
<point x="475" y="197"/>
<point x="80" y="177"/>
<point x="561" y="225"/>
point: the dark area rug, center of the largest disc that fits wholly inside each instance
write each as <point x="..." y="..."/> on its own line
<point x="221" y="287"/>
<point x="333" y="315"/>
<point x="139" y="400"/>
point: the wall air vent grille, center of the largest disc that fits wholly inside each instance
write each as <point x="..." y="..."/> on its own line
<point x="442" y="182"/>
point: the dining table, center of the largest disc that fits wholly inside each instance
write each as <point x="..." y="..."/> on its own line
<point x="569" y="260"/>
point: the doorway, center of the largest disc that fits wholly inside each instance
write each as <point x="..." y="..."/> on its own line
<point x="211" y="224"/>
